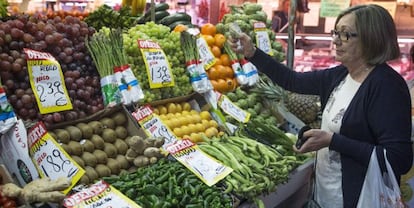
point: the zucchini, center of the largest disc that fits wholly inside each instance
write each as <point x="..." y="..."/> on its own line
<point x="158" y="16"/>
<point x="174" y="24"/>
<point x="179" y="16"/>
<point x="161" y="7"/>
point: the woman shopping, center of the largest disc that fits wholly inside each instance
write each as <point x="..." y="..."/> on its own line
<point x="366" y="104"/>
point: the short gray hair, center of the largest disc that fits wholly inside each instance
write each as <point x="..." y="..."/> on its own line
<point x="376" y="31"/>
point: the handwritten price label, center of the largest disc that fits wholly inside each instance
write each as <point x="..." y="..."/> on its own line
<point x="233" y="110"/>
<point x="158" y="68"/>
<point x="100" y="194"/>
<point x="209" y="170"/>
<point x="262" y="37"/>
<point x="49" y="157"/>
<point x="46" y="80"/>
<point x="153" y="125"/>
<point x="206" y="56"/>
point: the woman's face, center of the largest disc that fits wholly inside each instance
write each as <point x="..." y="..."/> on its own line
<point x="348" y="49"/>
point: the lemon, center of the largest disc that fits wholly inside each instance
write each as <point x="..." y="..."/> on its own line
<point x="185" y="112"/>
<point x="205" y="115"/>
<point x="163" y="117"/>
<point x="186" y="130"/>
<point x="186" y="106"/>
<point x="205" y="124"/>
<point x="172" y="108"/>
<point x="179" y="108"/>
<point x="213" y="123"/>
<point x="178" y="132"/>
<point x="196" y="119"/>
<point x="175" y="122"/>
<point x="155" y="111"/>
<point x="192" y="127"/>
<point x="196" y="137"/>
<point x="169" y="115"/>
<point x="200" y="127"/>
<point x="162" y="109"/>
<point x="193" y="112"/>
<point x="210" y="132"/>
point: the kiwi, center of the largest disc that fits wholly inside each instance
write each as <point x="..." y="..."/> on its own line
<point x="87" y="145"/>
<point x="121" y="146"/>
<point x="110" y="150"/>
<point x="84" y="180"/>
<point x="91" y="173"/>
<point x="53" y="135"/>
<point x="79" y="161"/>
<point x="96" y="126"/>
<point x="108" y="123"/>
<point x="103" y="170"/>
<point x="119" y="118"/>
<point x="114" y="166"/>
<point x="66" y="148"/>
<point x="121" y="132"/>
<point x="90" y="159"/>
<point x="97" y="141"/>
<point x="75" y="148"/>
<point x="62" y="135"/>
<point x="101" y="156"/>
<point x="86" y="130"/>
<point x="122" y="161"/>
<point x="74" y="132"/>
<point x="109" y="135"/>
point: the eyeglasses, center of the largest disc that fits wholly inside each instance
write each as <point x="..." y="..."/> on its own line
<point x="344" y="36"/>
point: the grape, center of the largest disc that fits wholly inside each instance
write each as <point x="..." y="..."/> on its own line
<point x="28" y="38"/>
<point x="19" y="93"/>
<point x="26" y="99"/>
<point x="5" y="66"/>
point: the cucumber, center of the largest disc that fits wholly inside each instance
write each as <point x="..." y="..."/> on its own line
<point x="183" y="22"/>
<point x="158" y="16"/>
<point x="179" y="16"/>
<point x="161" y="7"/>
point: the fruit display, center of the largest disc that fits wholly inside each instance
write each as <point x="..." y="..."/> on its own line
<point x="170" y="44"/>
<point x="186" y="122"/>
<point x="105" y="16"/>
<point x="168" y="183"/>
<point x="143" y="152"/>
<point x="99" y="146"/>
<point x="305" y="107"/>
<point x="137" y="6"/>
<point x="244" y="16"/>
<point x="64" y="39"/>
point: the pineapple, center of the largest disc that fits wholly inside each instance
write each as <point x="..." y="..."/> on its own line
<point x="305" y="107"/>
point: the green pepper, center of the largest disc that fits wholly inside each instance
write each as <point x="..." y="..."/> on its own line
<point x="151" y="189"/>
<point x="131" y="193"/>
<point x="194" y="205"/>
<point x="185" y="200"/>
<point x="162" y="178"/>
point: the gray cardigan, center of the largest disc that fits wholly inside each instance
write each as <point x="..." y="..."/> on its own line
<point x="379" y="115"/>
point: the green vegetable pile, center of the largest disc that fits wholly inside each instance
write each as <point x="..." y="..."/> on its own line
<point x="170" y="43"/>
<point x="169" y="184"/>
<point x="3" y="8"/>
<point x="105" y="16"/>
<point x="258" y="168"/>
<point x="244" y="16"/>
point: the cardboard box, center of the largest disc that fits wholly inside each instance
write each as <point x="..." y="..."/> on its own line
<point x="14" y="151"/>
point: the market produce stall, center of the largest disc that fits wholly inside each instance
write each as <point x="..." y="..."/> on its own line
<point x="152" y="112"/>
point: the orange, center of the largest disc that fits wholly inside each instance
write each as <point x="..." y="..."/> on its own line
<point x="180" y="28"/>
<point x="221" y="69"/>
<point x="220" y="39"/>
<point x="218" y="62"/>
<point x="225" y="59"/>
<point x="208" y="29"/>
<point x="209" y="39"/>
<point x="213" y="73"/>
<point x="231" y="85"/>
<point x="221" y="85"/>
<point x="214" y="83"/>
<point x="216" y="51"/>
<point x="228" y="72"/>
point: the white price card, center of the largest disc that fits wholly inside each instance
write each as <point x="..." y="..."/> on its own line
<point x="153" y="125"/>
<point x="233" y="110"/>
<point x="262" y="37"/>
<point x="100" y="194"/>
<point x="49" y="157"/>
<point x="206" y="56"/>
<point x="158" y="68"/>
<point x="209" y="170"/>
<point x="47" y="82"/>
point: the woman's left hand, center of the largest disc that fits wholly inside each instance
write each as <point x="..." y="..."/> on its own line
<point x="317" y="139"/>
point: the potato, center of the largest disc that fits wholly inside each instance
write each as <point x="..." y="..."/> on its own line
<point x="101" y="156"/>
<point x="152" y="152"/>
<point x="110" y="150"/>
<point x="89" y="159"/>
<point x="98" y="142"/>
<point x="121" y="146"/>
<point x="141" y="161"/>
<point x="103" y="170"/>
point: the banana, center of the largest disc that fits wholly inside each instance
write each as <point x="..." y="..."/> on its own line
<point x="134" y="5"/>
<point x="141" y="6"/>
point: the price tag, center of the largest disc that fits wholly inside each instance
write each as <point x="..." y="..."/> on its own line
<point x="262" y="38"/>
<point x="153" y="125"/>
<point x="233" y="110"/>
<point x="49" y="157"/>
<point x="209" y="170"/>
<point x="100" y="194"/>
<point x="206" y="56"/>
<point x="46" y="80"/>
<point x="158" y="68"/>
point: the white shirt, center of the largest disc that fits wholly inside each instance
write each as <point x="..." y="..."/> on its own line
<point x="328" y="166"/>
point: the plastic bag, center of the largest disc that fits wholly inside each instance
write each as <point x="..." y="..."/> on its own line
<point x="380" y="190"/>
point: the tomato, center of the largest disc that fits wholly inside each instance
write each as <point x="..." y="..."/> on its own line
<point x="10" y="204"/>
